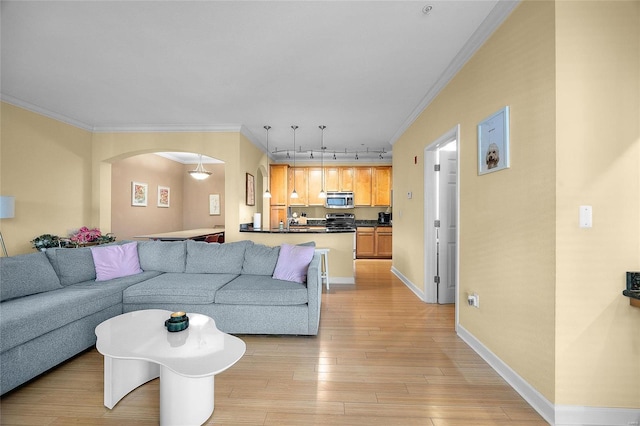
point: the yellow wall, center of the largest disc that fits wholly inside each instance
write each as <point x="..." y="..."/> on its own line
<point x="46" y="165"/>
<point x="598" y="162"/>
<point x="551" y="303"/>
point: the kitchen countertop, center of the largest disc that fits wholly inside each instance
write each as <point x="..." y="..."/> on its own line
<point x="297" y="230"/>
<point x="371" y="224"/>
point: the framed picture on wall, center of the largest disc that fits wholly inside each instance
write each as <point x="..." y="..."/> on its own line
<point x="139" y="194"/>
<point x="251" y="190"/>
<point x="493" y="142"/>
<point x="164" y="193"/>
<point x="214" y="204"/>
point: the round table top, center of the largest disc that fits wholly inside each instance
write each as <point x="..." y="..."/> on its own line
<point x="200" y="350"/>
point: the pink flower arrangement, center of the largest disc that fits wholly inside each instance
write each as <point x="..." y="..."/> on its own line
<point x="86" y="235"/>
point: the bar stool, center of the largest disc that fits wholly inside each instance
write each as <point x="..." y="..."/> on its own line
<point x="324" y="265"/>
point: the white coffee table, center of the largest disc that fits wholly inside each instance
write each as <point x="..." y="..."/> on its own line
<point x="138" y="348"/>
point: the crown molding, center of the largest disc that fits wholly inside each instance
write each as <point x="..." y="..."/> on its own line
<point x="498" y="14"/>
<point x="47" y="113"/>
<point x="169" y="128"/>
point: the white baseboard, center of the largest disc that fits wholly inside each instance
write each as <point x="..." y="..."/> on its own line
<point x="341" y="280"/>
<point x="558" y="415"/>
<point x="408" y="283"/>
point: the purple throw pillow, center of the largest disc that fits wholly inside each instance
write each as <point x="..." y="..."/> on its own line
<point x="116" y="261"/>
<point x="293" y="262"/>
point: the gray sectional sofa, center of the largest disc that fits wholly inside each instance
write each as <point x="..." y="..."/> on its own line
<point x="50" y="303"/>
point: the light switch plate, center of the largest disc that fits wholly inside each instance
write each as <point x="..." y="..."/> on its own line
<point x="586" y="217"/>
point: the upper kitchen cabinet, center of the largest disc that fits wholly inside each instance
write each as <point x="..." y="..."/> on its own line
<point x="278" y="184"/>
<point x="362" y="186"/>
<point x="298" y="180"/>
<point x="315" y="186"/>
<point x="381" y="186"/>
<point x="338" y="179"/>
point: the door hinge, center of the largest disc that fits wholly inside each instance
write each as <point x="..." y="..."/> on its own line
<point x="436" y="167"/>
<point x="436" y="279"/>
<point x="436" y="224"/>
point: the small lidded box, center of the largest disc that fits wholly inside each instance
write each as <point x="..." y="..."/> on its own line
<point x="178" y="321"/>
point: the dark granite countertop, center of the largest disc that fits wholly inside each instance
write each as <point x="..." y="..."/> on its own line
<point x="371" y="224"/>
<point x="632" y="294"/>
<point x="297" y="230"/>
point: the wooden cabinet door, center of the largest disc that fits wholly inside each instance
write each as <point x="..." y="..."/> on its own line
<point x="346" y="179"/>
<point x="278" y="184"/>
<point x="365" y="242"/>
<point x="362" y="186"/>
<point x="315" y="186"/>
<point x="384" y="240"/>
<point x="278" y="213"/>
<point x="298" y="181"/>
<point x="332" y="179"/>
<point x="381" y="186"/>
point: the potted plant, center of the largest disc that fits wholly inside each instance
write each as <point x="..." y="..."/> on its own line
<point x="46" y="241"/>
<point x="89" y="237"/>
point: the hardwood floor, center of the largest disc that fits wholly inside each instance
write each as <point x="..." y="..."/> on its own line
<point x="382" y="357"/>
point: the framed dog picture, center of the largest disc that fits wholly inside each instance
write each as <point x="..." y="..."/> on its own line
<point x="493" y="142"/>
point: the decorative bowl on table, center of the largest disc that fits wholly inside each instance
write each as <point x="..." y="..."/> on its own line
<point x="178" y="321"/>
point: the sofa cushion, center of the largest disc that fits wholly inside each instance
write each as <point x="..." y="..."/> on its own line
<point x="198" y="289"/>
<point x="262" y="290"/>
<point x="214" y="258"/>
<point x="116" y="261"/>
<point x="260" y="259"/>
<point x="72" y="265"/>
<point x="26" y="274"/>
<point x="163" y="256"/>
<point x="293" y="262"/>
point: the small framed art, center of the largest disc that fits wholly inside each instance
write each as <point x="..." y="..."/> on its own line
<point x="214" y="204"/>
<point x="251" y="190"/>
<point x="139" y="194"/>
<point x="493" y="142"/>
<point x="164" y="193"/>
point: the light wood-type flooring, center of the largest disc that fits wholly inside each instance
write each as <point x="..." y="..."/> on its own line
<point x="382" y="357"/>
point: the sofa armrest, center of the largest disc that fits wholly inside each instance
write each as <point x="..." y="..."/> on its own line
<point x="314" y="288"/>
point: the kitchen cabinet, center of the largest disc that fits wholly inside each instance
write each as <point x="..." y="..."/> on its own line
<point x="315" y="185"/>
<point x="384" y="240"/>
<point x="338" y="179"/>
<point x="381" y="186"/>
<point x="374" y="242"/>
<point x="298" y="181"/>
<point x="278" y="184"/>
<point x="365" y="242"/>
<point x="278" y="213"/>
<point x="362" y="186"/>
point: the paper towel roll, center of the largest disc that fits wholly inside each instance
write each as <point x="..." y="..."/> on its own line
<point x="257" y="221"/>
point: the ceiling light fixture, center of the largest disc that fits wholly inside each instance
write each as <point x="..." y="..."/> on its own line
<point x="427" y="9"/>
<point x="267" y="194"/>
<point x="199" y="173"/>
<point x="322" y="193"/>
<point x="294" y="194"/>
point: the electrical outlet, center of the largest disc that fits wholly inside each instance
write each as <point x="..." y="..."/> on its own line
<point x="473" y="300"/>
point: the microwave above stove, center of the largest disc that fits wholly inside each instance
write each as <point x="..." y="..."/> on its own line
<point x="339" y="200"/>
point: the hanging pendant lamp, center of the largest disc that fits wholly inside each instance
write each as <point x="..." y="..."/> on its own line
<point x="322" y="193"/>
<point x="267" y="194"/>
<point x="294" y="194"/>
<point x="200" y="173"/>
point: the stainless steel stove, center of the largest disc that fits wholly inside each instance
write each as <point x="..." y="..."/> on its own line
<point x="336" y="222"/>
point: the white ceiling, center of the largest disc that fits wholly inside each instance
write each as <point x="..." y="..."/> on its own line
<point x="365" y="69"/>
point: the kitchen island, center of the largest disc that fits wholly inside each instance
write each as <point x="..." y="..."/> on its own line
<point x="341" y="245"/>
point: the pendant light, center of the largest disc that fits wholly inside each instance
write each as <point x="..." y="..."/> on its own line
<point x="322" y="193"/>
<point x="294" y="194"/>
<point x="267" y="194"/>
<point x="199" y="173"/>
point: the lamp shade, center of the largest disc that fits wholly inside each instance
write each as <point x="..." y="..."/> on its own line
<point x="7" y="207"/>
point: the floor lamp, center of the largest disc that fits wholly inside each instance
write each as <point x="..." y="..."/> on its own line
<point x="7" y="211"/>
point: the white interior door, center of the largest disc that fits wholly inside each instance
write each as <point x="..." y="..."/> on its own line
<point x="441" y="211"/>
<point x="446" y="233"/>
